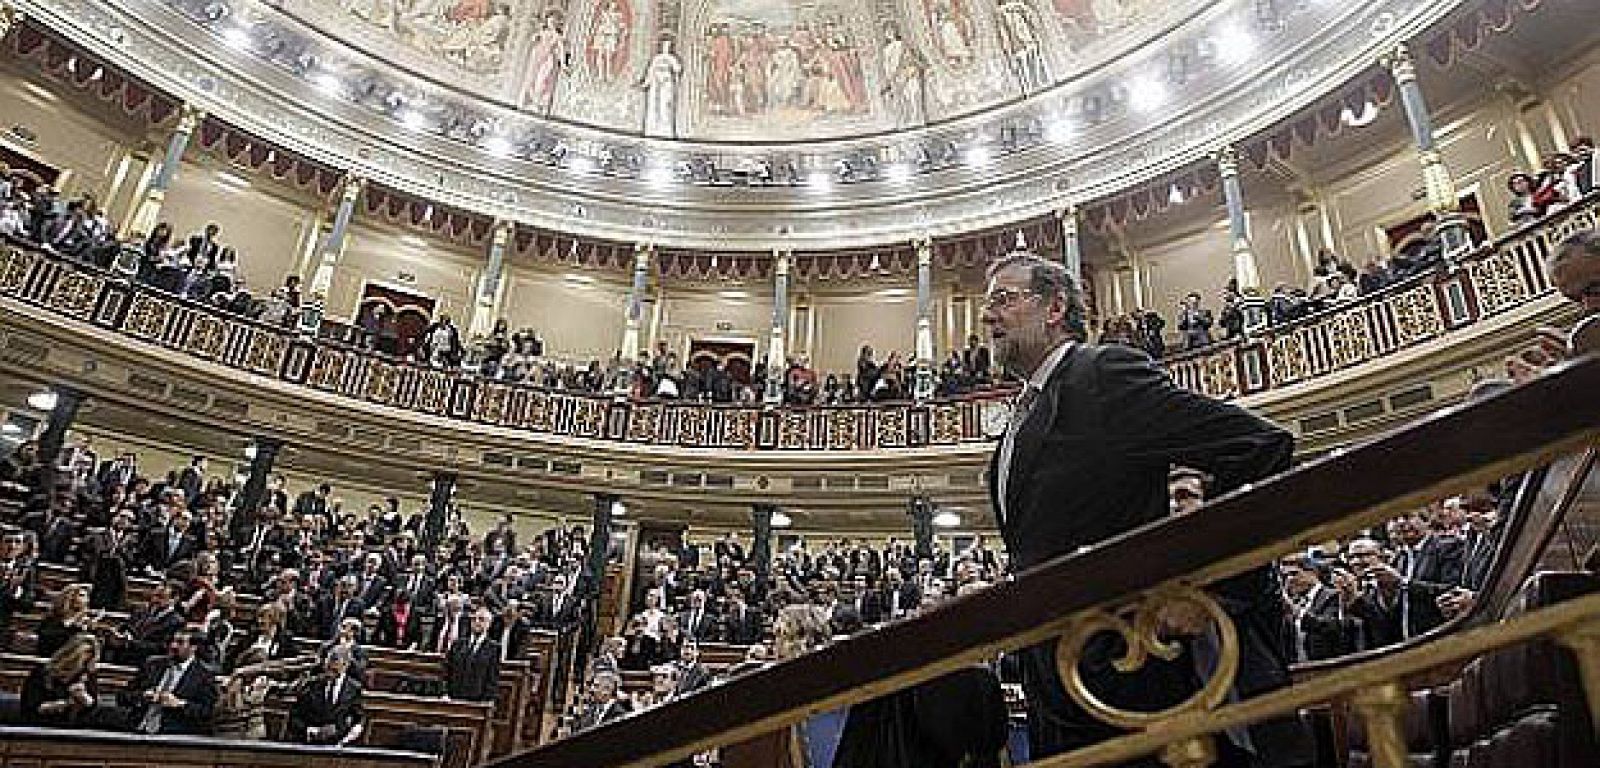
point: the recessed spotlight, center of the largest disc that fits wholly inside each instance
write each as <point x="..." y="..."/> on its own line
<point x="580" y="164"/>
<point x="1146" y="93"/>
<point x="1175" y="194"/>
<point x="947" y="520"/>
<point x="499" y="146"/>
<point x="898" y="172"/>
<point x="781" y="520"/>
<point x="330" y="84"/>
<point x="658" y="174"/>
<point x="819" y="180"/>
<point x="1060" y="131"/>
<point x="231" y="179"/>
<point x="414" y="120"/>
<point x="11" y="428"/>
<point x="734" y="294"/>
<point x="978" y="155"/>
<point x="236" y="38"/>
<point x="43" y="401"/>
<point x="618" y="509"/>
<point x="250" y="452"/>
<point x="1234" y="45"/>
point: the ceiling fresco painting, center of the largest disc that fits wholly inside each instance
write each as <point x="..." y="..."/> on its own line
<point x="745" y="70"/>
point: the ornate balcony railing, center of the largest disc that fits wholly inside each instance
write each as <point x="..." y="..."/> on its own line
<point x="1123" y="584"/>
<point x="1495" y="279"/>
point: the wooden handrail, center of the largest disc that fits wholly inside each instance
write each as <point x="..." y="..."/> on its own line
<point x="1456" y="448"/>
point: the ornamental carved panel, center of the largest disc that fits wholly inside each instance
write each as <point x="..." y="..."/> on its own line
<point x="739" y="428"/>
<point x="946" y="424"/>
<point x="1416" y="315"/>
<point x="327" y="369"/>
<point x="75" y="294"/>
<point x="147" y="317"/>
<point x="1498" y="282"/>
<point x="1287" y="359"/>
<point x="208" y="335"/>
<point x="1349" y="338"/>
<point x="794" y="430"/>
<point x="844" y="427"/>
<point x="266" y="353"/>
<point x="492" y="401"/>
<point x="644" y="423"/>
<point x="14" y="270"/>
<point x="892" y="428"/>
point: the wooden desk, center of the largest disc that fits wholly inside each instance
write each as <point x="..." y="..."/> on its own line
<point x="46" y="747"/>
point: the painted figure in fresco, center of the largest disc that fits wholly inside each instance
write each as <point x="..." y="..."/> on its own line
<point x="1023" y="46"/>
<point x="902" y="79"/>
<point x="720" y="53"/>
<point x="788" y="76"/>
<point x="545" y="62"/>
<point x="951" y="30"/>
<point x="608" y="40"/>
<point x="845" y="66"/>
<point x="661" y="93"/>
<point x="479" y="44"/>
<point x="750" y="97"/>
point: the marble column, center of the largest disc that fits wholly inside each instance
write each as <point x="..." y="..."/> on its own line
<point x="641" y="277"/>
<point x="148" y="213"/>
<point x="922" y="387"/>
<point x="761" y="541"/>
<point x="333" y="245"/>
<point x="440" y="499"/>
<point x="1071" y="247"/>
<point x="1245" y="270"/>
<point x="776" y="353"/>
<point x="486" y="309"/>
<point x="1454" y="235"/>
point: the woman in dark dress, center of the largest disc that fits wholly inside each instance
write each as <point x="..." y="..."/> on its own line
<point x="69" y="615"/>
<point x="63" y="691"/>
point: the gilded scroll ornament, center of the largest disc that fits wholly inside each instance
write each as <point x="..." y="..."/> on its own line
<point x="1141" y="627"/>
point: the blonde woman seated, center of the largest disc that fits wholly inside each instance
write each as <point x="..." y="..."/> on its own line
<point x="64" y="692"/>
<point x="798" y="629"/>
<point x="69" y="615"/>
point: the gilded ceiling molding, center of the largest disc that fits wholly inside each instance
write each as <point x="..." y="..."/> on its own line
<point x="1337" y="41"/>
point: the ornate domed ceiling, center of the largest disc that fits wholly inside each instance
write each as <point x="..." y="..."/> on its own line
<point x="750" y="124"/>
<point x="747" y="70"/>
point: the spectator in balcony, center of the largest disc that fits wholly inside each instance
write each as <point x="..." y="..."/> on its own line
<point x="1583" y="170"/>
<point x="1148" y="329"/>
<point x="495" y="348"/>
<point x="976" y="361"/>
<point x="441" y="344"/>
<point x="1194" y="321"/>
<point x="328" y="710"/>
<point x="172" y="694"/>
<point x="67" y="235"/>
<point x="1556" y="188"/>
<point x="64" y="692"/>
<point x="1522" y="209"/>
<point x="14" y="213"/>
<point x="866" y="373"/>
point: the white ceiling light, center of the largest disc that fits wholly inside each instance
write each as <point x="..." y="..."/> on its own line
<point x="231" y="179"/>
<point x="897" y="172"/>
<point x="1175" y="194"/>
<point x="820" y="180"/>
<point x="947" y="520"/>
<point x="979" y="155"/>
<point x="1060" y="131"/>
<point x="414" y="120"/>
<point x="1146" y="93"/>
<point x="618" y="509"/>
<point x="236" y="38"/>
<point x="499" y="146"/>
<point x="658" y="174"/>
<point x="250" y="452"/>
<point x="1368" y="113"/>
<point x="781" y="520"/>
<point x="329" y="83"/>
<point x="1234" y="44"/>
<point x="43" y="401"/>
<point x="580" y="164"/>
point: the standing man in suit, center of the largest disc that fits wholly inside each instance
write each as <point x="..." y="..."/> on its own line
<point x="108" y="556"/>
<point x="1430" y="565"/>
<point x="333" y="609"/>
<point x="1086" y="457"/>
<point x="192" y="479"/>
<point x="150" y="628"/>
<point x="741" y="624"/>
<point x="329" y="711"/>
<point x="175" y="693"/>
<point x="699" y="622"/>
<point x="900" y="597"/>
<point x="472" y="670"/>
<point x="171" y="544"/>
<point x="559" y="609"/>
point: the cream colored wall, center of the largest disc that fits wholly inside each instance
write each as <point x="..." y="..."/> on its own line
<point x="578" y="320"/>
<point x="64" y="136"/>
<point x="430" y="266"/>
<point x="885" y="318"/>
<point x="262" y="223"/>
<point x="743" y="312"/>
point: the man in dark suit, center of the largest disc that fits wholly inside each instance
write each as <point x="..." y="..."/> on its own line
<point x="558" y="608"/>
<point x="1430" y="565"/>
<point x="108" y="556"/>
<point x="899" y="596"/>
<point x="1086" y="457"/>
<point x="868" y="602"/>
<point x="371" y="586"/>
<point x="417" y="583"/>
<point x="510" y="629"/>
<point x="328" y="710"/>
<point x="192" y="479"/>
<point x="334" y="608"/>
<point x="19" y="579"/>
<point x="603" y="704"/>
<point x="472" y="668"/>
<point x="170" y="544"/>
<point x="741" y="624"/>
<point x="314" y="503"/>
<point x="174" y="693"/>
<point x="149" y="629"/>
<point x="698" y="621"/>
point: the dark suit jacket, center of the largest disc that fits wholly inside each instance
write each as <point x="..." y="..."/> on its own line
<point x="702" y="630"/>
<point x="596" y="714"/>
<point x="552" y="618"/>
<point x="388" y="634"/>
<point x="197" y="689"/>
<point x="1438" y="569"/>
<point x="1327" y="631"/>
<point x="149" y="633"/>
<point x="325" y="623"/>
<point x="473" y="676"/>
<point x="313" y="709"/>
<point x="160" y="555"/>
<point x="106" y="566"/>
<point x="1090" y="462"/>
<point x="742" y="629"/>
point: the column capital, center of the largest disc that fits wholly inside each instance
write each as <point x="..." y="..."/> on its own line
<point x="501" y="234"/>
<point x="351" y="187"/>
<point x="924" y="246"/>
<point x="782" y="259"/>
<point x="641" y="255"/>
<point x="1401" y="65"/>
<point x="1227" y="161"/>
<point x="1068" y="212"/>
<point x="10" y="17"/>
<point x="189" y="117"/>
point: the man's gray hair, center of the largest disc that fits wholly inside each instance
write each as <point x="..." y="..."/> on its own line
<point x="1585" y="243"/>
<point x="1049" y="280"/>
